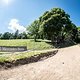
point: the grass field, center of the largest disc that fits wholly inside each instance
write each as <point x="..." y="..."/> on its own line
<point x="41" y="45"/>
<point x="29" y="43"/>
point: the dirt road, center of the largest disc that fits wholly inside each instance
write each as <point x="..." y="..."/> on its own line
<point x="65" y="65"/>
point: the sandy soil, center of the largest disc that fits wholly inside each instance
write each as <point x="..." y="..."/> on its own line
<point x="65" y="65"/>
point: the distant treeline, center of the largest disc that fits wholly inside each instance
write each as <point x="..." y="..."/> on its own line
<point x="16" y="35"/>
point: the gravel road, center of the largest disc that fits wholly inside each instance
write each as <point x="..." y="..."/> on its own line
<point x="65" y="65"/>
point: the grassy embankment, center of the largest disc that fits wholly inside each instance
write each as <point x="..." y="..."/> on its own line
<point x="29" y="43"/>
<point x="41" y="45"/>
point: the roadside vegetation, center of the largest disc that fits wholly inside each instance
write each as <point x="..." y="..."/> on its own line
<point x="41" y="45"/>
<point x="21" y="55"/>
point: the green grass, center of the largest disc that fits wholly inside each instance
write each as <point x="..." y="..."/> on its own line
<point x="78" y="28"/>
<point x="4" y="53"/>
<point x="39" y="47"/>
<point x="21" y="55"/>
<point x="29" y="43"/>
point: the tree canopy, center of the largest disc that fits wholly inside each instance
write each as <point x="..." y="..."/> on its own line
<point x="56" y="23"/>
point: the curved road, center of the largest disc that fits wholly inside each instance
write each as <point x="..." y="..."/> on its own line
<point x="65" y="65"/>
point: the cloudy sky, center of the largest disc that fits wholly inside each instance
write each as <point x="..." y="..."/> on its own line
<point x="17" y="14"/>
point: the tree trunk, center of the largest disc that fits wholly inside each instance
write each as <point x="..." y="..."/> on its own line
<point x="35" y="36"/>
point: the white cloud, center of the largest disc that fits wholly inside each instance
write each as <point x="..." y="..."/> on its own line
<point x="14" y="25"/>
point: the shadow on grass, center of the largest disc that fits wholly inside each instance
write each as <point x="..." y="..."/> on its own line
<point x="62" y="45"/>
<point x="58" y="45"/>
<point x="35" y="58"/>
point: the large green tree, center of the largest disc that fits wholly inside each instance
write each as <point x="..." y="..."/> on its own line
<point x="55" y="24"/>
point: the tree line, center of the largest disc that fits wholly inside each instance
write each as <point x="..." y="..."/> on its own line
<point x="16" y="35"/>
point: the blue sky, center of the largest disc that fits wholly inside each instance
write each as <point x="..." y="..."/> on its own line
<point x="17" y="14"/>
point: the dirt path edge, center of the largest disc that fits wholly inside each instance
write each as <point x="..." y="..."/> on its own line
<point x="35" y="58"/>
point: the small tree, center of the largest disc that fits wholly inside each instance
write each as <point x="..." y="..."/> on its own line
<point x="0" y="35"/>
<point x="22" y="36"/>
<point x="33" y="29"/>
<point x="16" y="34"/>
